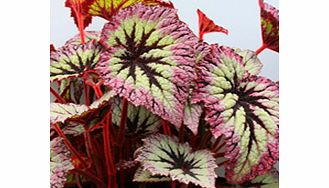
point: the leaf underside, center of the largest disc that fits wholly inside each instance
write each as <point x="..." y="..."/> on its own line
<point x="270" y="26"/>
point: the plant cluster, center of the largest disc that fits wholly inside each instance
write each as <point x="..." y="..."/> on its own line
<point x="147" y="103"/>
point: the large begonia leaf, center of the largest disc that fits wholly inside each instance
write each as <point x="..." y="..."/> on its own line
<point x="146" y="176"/>
<point x="72" y="60"/>
<point x="78" y="12"/>
<point x="270" y="25"/>
<point x="164" y="155"/>
<point x="60" y="163"/>
<point x="89" y="35"/>
<point x="206" y="25"/>
<point x="250" y="60"/>
<point x="149" y="59"/>
<point x="244" y="108"/>
<point x="140" y="121"/>
<point x="61" y="112"/>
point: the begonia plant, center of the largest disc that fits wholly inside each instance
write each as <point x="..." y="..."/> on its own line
<point x="145" y="102"/>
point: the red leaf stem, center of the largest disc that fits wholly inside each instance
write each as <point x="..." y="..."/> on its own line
<point x="86" y="90"/>
<point x="260" y="49"/>
<point x="107" y="150"/>
<point x="165" y="127"/>
<point x="58" y="97"/>
<point x="92" y="153"/>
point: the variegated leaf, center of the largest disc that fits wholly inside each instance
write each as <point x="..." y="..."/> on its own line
<point x="149" y="60"/>
<point x="250" y="60"/>
<point x="73" y="60"/>
<point x="60" y="163"/>
<point x="146" y="176"/>
<point x="243" y="107"/>
<point x="140" y="121"/>
<point x="270" y="25"/>
<point x="163" y="155"/>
